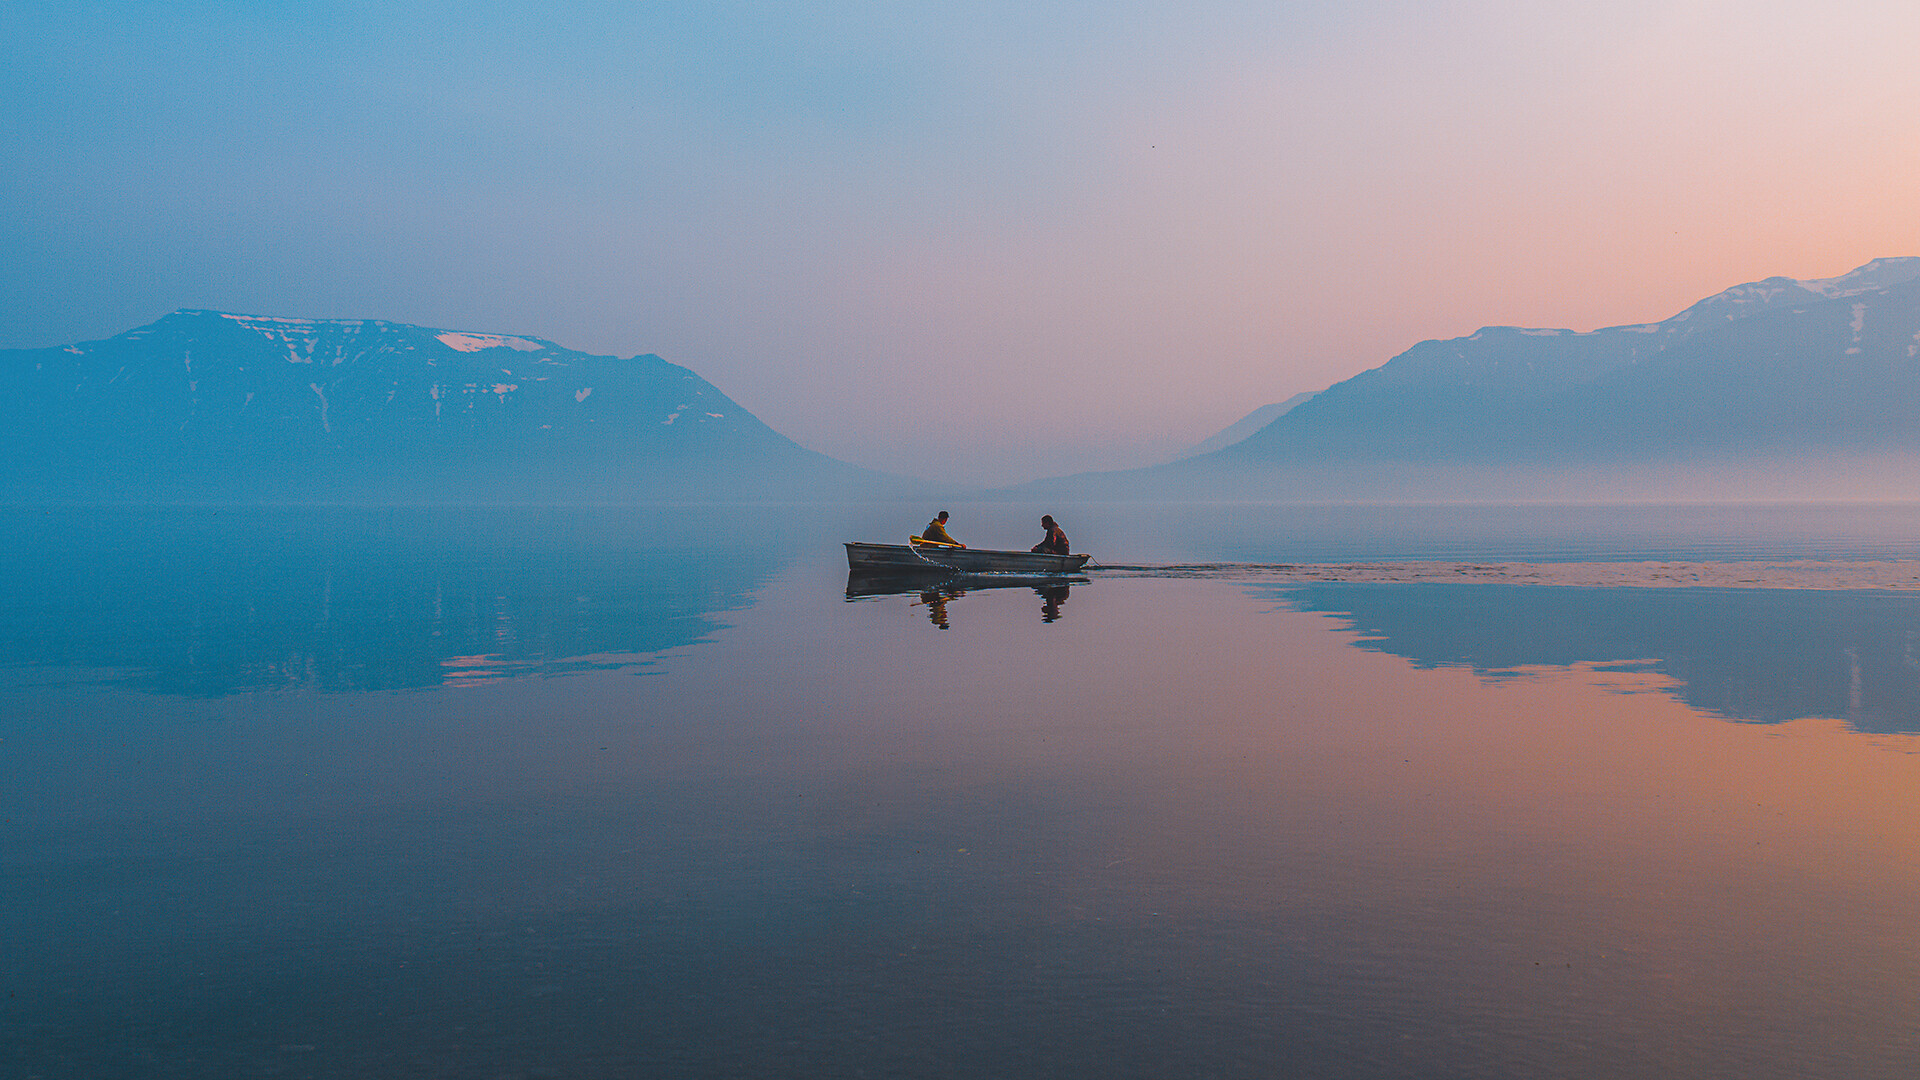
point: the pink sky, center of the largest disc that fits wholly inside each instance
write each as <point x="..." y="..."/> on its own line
<point x="985" y="245"/>
<point x="1282" y="226"/>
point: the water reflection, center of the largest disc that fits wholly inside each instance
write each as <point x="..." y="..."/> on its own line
<point x="1192" y="836"/>
<point x="1765" y="656"/>
<point x="1052" y="598"/>
<point x="935" y="592"/>
<point x="210" y="603"/>
<point x="936" y="602"/>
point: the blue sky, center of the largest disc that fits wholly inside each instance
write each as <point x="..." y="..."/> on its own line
<point x="984" y="241"/>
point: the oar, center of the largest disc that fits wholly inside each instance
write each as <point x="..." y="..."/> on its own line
<point x="913" y="545"/>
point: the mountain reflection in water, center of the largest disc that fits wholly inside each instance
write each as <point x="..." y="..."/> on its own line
<point x="208" y="603"/>
<point x="1192" y="831"/>
<point x="1758" y="655"/>
<point x="935" y="592"/>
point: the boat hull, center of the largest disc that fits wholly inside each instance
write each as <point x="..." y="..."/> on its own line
<point x="878" y="558"/>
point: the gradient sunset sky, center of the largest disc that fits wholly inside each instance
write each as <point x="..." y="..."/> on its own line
<point x="980" y="241"/>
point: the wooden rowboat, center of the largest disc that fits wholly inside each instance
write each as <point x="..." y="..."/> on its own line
<point x="921" y="556"/>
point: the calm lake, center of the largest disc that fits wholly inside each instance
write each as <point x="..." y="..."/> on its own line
<point x="659" y="792"/>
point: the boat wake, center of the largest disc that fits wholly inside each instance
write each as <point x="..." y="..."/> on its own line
<point x="1786" y="574"/>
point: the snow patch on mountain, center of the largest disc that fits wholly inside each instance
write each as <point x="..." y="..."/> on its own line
<point x="477" y="342"/>
<point x="273" y="324"/>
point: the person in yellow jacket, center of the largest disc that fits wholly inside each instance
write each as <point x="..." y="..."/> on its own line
<point x="937" y="532"/>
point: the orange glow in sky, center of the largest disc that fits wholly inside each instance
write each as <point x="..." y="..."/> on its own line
<point x="1022" y="241"/>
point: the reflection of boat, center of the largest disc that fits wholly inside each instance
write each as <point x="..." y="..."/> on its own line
<point x="937" y="586"/>
<point x="892" y="581"/>
<point x="921" y="556"/>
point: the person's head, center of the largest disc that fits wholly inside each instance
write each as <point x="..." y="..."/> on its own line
<point x="943" y="515"/>
<point x="1046" y="521"/>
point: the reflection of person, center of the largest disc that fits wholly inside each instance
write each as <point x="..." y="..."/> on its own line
<point x="937" y="532"/>
<point x="1056" y="541"/>
<point x="936" y="602"/>
<point x="1051" y="597"/>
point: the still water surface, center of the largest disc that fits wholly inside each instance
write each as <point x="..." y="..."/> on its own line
<point x="622" y="793"/>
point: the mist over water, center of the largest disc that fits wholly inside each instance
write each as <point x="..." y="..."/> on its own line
<point x="660" y="791"/>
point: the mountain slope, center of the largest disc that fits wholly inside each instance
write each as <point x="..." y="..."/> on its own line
<point x="214" y="403"/>
<point x="1777" y="364"/>
<point x="1771" y="389"/>
<point x="1243" y="427"/>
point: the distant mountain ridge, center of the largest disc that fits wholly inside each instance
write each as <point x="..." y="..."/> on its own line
<point x="1243" y="427"/>
<point x="219" y="402"/>
<point x="1774" y="388"/>
<point x="1772" y="364"/>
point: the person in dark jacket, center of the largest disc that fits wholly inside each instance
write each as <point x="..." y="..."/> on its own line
<point x="937" y="532"/>
<point x="1056" y="541"/>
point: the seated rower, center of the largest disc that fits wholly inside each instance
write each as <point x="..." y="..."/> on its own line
<point x="1056" y="541"/>
<point x="937" y="532"/>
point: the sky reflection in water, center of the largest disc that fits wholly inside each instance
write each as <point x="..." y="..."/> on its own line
<point x="1180" y="827"/>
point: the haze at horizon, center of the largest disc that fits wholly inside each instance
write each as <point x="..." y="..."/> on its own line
<point x="983" y="245"/>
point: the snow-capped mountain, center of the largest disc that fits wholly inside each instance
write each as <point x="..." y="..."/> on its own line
<point x="1774" y="365"/>
<point x="251" y="398"/>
